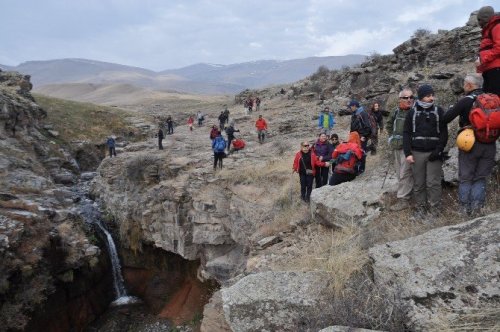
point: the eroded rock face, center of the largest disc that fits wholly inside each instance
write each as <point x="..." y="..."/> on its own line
<point x="444" y="272"/>
<point x="275" y="301"/>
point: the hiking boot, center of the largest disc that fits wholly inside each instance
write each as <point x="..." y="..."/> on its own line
<point x="401" y="204"/>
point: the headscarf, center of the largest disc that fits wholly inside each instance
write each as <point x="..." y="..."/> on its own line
<point x="354" y="138"/>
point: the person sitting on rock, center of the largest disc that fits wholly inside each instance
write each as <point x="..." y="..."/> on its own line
<point x="305" y="163"/>
<point x="424" y="138"/>
<point x="347" y="157"/>
<point x="111" y="146"/>
<point x="475" y="165"/>
<point x="323" y="151"/>
<point x="326" y="121"/>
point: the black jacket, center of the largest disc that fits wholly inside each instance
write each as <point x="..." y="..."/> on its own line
<point x="462" y="108"/>
<point x="427" y="133"/>
<point x="360" y="122"/>
<point x="230" y="132"/>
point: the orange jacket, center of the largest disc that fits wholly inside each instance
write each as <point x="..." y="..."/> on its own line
<point x="261" y="124"/>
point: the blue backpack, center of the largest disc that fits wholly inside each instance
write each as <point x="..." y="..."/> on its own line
<point x="219" y="144"/>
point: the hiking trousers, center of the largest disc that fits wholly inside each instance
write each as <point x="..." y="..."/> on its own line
<point x="338" y="178"/>
<point x="112" y="151"/>
<point x="321" y="176"/>
<point x="427" y="177"/>
<point x="261" y="133"/>
<point x="492" y="81"/>
<point x="404" y="175"/>
<point x="473" y="169"/>
<point x="306" y="185"/>
<point x="160" y="145"/>
<point x="218" y="156"/>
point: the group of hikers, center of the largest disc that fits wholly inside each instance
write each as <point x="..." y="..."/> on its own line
<point x="251" y="104"/>
<point x="418" y="135"/>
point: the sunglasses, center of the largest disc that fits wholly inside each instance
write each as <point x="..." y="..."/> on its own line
<point x="407" y="98"/>
<point x="305" y="146"/>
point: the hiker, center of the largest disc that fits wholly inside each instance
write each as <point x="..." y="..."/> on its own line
<point x="222" y="120"/>
<point x="305" y="164"/>
<point x="257" y="104"/>
<point x="334" y="140"/>
<point x="160" y="138"/>
<point x="218" y="146"/>
<point x="360" y="122"/>
<point x="249" y="105"/>
<point x="488" y="62"/>
<point x="377" y="124"/>
<point x="230" y="134"/>
<point x="395" y="126"/>
<point x="200" y="117"/>
<point x="170" y="125"/>
<point x="190" y="123"/>
<point x="326" y="121"/>
<point x="261" y="126"/>
<point x="475" y="165"/>
<point x="238" y="144"/>
<point x="111" y="146"/>
<point x="323" y="151"/>
<point x="226" y="114"/>
<point x="213" y="132"/>
<point x="424" y="137"/>
<point x="347" y="157"/>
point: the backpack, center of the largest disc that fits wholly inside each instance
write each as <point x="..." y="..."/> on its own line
<point x="417" y="112"/>
<point x="485" y="117"/>
<point x="238" y="144"/>
<point x="219" y="144"/>
<point x="347" y="162"/>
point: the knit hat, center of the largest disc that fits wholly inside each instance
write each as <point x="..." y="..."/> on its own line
<point x="484" y="14"/>
<point x="353" y="103"/>
<point x="424" y="90"/>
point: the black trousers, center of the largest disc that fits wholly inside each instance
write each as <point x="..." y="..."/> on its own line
<point x="492" y="81"/>
<point x="170" y="129"/>
<point x="338" y="178"/>
<point x="160" y="145"/>
<point x="321" y="176"/>
<point x="218" y="156"/>
<point x="112" y="151"/>
<point x="306" y="185"/>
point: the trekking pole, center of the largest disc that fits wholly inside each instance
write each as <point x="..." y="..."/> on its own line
<point x="386" y="172"/>
<point x="291" y="196"/>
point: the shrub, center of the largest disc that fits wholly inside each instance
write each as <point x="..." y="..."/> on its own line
<point x="321" y="73"/>
<point x="421" y="33"/>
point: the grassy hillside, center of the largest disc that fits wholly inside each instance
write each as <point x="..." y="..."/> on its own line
<point x="76" y="121"/>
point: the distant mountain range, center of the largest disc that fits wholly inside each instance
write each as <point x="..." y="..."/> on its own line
<point x="199" y="78"/>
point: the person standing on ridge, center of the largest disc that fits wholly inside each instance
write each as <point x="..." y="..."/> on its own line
<point x="360" y="123"/>
<point x="488" y="62"/>
<point x="261" y="126"/>
<point x="111" y="146"/>
<point x="326" y="120"/>
<point x="424" y="138"/>
<point x="395" y="126"/>
<point x="160" y="138"/>
<point x="475" y="165"/>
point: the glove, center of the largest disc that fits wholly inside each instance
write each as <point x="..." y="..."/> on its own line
<point x="435" y="155"/>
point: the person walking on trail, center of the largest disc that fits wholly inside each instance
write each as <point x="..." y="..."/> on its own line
<point x="230" y="134"/>
<point x="111" y="146"/>
<point x="170" y="125"/>
<point x="190" y="123"/>
<point x="323" y="151"/>
<point x="226" y="114"/>
<point x="488" y="62"/>
<point x="160" y="138"/>
<point x="213" y="132"/>
<point x="200" y="117"/>
<point x="346" y="156"/>
<point x="218" y="146"/>
<point x="305" y="163"/>
<point x="395" y="126"/>
<point x="257" y="103"/>
<point x="424" y="138"/>
<point x="475" y="165"/>
<point x="222" y="120"/>
<point x="377" y="123"/>
<point x="360" y="123"/>
<point x="326" y="121"/>
<point x="261" y="126"/>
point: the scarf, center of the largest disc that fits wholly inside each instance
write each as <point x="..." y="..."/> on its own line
<point x="424" y="104"/>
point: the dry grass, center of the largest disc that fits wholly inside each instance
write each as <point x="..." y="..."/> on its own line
<point x="468" y="319"/>
<point x="84" y="121"/>
<point x="274" y="172"/>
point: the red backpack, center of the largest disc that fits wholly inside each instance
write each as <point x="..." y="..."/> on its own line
<point x="485" y="117"/>
<point x="238" y="144"/>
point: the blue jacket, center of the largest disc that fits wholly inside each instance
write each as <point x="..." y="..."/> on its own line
<point x="221" y="145"/>
<point x="110" y="142"/>
<point x="331" y="121"/>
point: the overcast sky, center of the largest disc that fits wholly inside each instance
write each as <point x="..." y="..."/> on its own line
<point x="166" y="34"/>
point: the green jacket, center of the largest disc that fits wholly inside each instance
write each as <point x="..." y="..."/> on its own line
<point x="395" y="125"/>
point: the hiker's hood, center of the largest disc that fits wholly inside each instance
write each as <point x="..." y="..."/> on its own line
<point x="354" y="138"/>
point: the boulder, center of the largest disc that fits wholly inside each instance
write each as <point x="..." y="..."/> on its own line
<point x="275" y="301"/>
<point x="357" y="201"/>
<point x="444" y="272"/>
<point x="213" y="316"/>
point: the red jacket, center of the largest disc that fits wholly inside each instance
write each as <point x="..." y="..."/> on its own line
<point x="190" y="120"/>
<point x="314" y="162"/>
<point x="489" y="49"/>
<point x="261" y="124"/>
<point x="347" y="166"/>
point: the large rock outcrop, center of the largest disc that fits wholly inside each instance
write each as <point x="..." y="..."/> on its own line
<point x="445" y="272"/>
